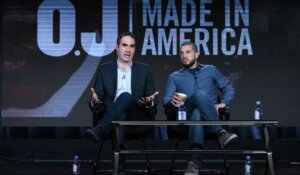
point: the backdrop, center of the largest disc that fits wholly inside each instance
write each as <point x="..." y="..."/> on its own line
<point x="51" y="50"/>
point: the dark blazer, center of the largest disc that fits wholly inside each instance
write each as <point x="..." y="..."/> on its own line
<point x="142" y="84"/>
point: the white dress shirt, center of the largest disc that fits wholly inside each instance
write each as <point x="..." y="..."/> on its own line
<point x="124" y="81"/>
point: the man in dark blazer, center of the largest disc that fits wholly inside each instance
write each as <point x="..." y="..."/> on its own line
<point x="123" y="90"/>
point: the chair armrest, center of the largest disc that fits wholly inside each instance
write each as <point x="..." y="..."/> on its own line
<point x="151" y="112"/>
<point x="224" y="113"/>
<point x="170" y="111"/>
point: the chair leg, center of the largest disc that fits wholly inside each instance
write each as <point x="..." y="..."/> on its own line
<point x="148" y="167"/>
<point x="174" y="156"/>
<point x="226" y="164"/>
<point x="98" y="156"/>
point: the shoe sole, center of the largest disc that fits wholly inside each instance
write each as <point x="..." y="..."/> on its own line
<point x="90" y="134"/>
<point x="233" y="137"/>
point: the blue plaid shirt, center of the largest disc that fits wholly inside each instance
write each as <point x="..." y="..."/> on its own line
<point x="206" y="78"/>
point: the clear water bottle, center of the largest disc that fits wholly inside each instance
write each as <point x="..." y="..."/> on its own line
<point x="258" y="110"/>
<point x="248" y="165"/>
<point x="76" y="165"/>
<point x="256" y="131"/>
<point x="181" y="114"/>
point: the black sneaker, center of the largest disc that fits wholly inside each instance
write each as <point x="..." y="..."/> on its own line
<point x="225" y="138"/>
<point x="95" y="134"/>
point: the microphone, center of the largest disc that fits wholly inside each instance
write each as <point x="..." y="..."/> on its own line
<point x="195" y="77"/>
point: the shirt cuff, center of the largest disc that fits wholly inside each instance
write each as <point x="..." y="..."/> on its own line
<point x="150" y="106"/>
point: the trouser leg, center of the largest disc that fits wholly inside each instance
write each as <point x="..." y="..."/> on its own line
<point x="206" y="108"/>
<point x="196" y="138"/>
<point x="124" y="107"/>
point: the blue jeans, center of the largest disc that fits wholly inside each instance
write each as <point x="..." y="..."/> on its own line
<point x="124" y="108"/>
<point x="200" y="107"/>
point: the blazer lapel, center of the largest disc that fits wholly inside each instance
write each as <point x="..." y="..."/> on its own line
<point x="114" y="77"/>
<point x="134" y="77"/>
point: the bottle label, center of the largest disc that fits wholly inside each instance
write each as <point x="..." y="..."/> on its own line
<point x="248" y="170"/>
<point x="181" y="115"/>
<point x="256" y="115"/>
<point x="75" y="169"/>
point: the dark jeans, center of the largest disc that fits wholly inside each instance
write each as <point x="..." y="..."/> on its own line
<point x="124" y="108"/>
<point x="200" y="107"/>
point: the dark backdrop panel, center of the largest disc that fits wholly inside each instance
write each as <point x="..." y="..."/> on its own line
<point x="40" y="89"/>
<point x="1" y="67"/>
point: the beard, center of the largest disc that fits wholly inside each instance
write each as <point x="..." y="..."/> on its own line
<point x="187" y="66"/>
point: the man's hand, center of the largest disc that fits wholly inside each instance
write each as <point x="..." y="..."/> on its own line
<point x="175" y="100"/>
<point x="221" y="105"/>
<point x="95" y="99"/>
<point x="147" y="101"/>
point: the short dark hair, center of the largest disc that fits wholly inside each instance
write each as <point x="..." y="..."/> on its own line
<point x="190" y="43"/>
<point x="125" y="34"/>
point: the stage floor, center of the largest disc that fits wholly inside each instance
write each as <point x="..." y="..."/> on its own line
<point x="65" y="168"/>
<point x="52" y="156"/>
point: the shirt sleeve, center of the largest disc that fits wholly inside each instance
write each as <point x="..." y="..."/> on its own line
<point x="170" y="90"/>
<point x="225" y="86"/>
